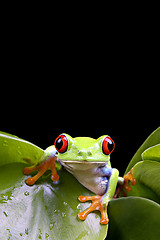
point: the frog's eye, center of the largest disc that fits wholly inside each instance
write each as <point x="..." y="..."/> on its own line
<point x="108" y="145"/>
<point x="61" y="143"/>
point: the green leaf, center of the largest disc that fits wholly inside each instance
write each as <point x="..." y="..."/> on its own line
<point x="133" y="218"/>
<point x="147" y="174"/>
<point x="152" y="140"/>
<point x="146" y="169"/>
<point x="45" y="210"/>
<point x="152" y="153"/>
<point x="14" y="149"/>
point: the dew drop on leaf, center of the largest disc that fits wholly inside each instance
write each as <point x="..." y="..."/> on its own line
<point x="5" y="143"/>
<point x="26" y="193"/>
<point x="65" y="203"/>
<point x="51" y="225"/>
<point x="5" y="214"/>
<point x="79" y="206"/>
<point x="46" y="235"/>
<point x="63" y="214"/>
<point x="26" y="231"/>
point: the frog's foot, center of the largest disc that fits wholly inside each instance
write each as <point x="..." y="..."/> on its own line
<point x="125" y="186"/>
<point x="129" y="177"/>
<point x="97" y="204"/>
<point x="42" y="168"/>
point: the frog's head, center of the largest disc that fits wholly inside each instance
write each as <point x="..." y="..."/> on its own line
<point x="84" y="148"/>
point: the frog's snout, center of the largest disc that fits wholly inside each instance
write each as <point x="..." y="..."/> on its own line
<point x="84" y="153"/>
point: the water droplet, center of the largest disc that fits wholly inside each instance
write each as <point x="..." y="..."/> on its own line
<point x="46" y="235"/>
<point x="55" y="210"/>
<point x="26" y="231"/>
<point x="65" y="203"/>
<point x="19" y="152"/>
<point x="79" y="206"/>
<point x="26" y="193"/>
<point x="63" y="214"/>
<point x="10" y="235"/>
<point x="5" y="197"/>
<point x="5" y="143"/>
<point x="5" y="214"/>
<point x="51" y="225"/>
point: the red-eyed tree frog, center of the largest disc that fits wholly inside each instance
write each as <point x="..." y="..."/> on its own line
<point x="88" y="160"/>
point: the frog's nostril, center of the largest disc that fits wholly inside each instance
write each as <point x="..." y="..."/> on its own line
<point x="80" y="153"/>
<point x="89" y="153"/>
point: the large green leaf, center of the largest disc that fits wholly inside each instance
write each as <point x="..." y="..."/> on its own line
<point x="14" y="149"/>
<point x="152" y="140"/>
<point x="44" y="210"/>
<point x="147" y="174"/>
<point x="49" y="211"/>
<point x="146" y="168"/>
<point x="134" y="218"/>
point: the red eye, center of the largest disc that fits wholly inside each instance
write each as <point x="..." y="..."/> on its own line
<point x="108" y="145"/>
<point x="61" y="143"/>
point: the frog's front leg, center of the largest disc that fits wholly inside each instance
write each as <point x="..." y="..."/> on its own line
<point x="101" y="202"/>
<point x="129" y="177"/>
<point x="47" y="162"/>
<point x="125" y="184"/>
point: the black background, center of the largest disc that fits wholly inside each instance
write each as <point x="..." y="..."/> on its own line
<point x="58" y="77"/>
<point x="39" y="111"/>
<point x="79" y="73"/>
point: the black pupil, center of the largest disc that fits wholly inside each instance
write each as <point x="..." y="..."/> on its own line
<point x="59" y="143"/>
<point x="110" y="145"/>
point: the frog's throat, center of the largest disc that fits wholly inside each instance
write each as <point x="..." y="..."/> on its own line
<point x="90" y="174"/>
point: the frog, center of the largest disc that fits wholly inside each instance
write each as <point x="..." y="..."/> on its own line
<point x="88" y="160"/>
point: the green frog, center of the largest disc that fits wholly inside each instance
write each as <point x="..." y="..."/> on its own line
<point x="88" y="160"/>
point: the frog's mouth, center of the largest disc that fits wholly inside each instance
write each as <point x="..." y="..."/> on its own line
<point x="83" y="161"/>
<point x="81" y="165"/>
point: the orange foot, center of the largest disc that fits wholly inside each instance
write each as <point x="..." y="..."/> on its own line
<point x="128" y="177"/>
<point x="42" y="168"/>
<point x="97" y="204"/>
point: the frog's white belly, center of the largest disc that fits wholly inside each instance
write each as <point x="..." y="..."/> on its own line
<point x="90" y="174"/>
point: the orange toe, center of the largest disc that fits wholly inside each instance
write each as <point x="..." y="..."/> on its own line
<point x="97" y="204"/>
<point x="129" y="177"/>
<point x="29" y="170"/>
<point x="55" y="177"/>
<point x="30" y="181"/>
<point x="42" y="167"/>
<point x="82" y="215"/>
<point x="104" y="220"/>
